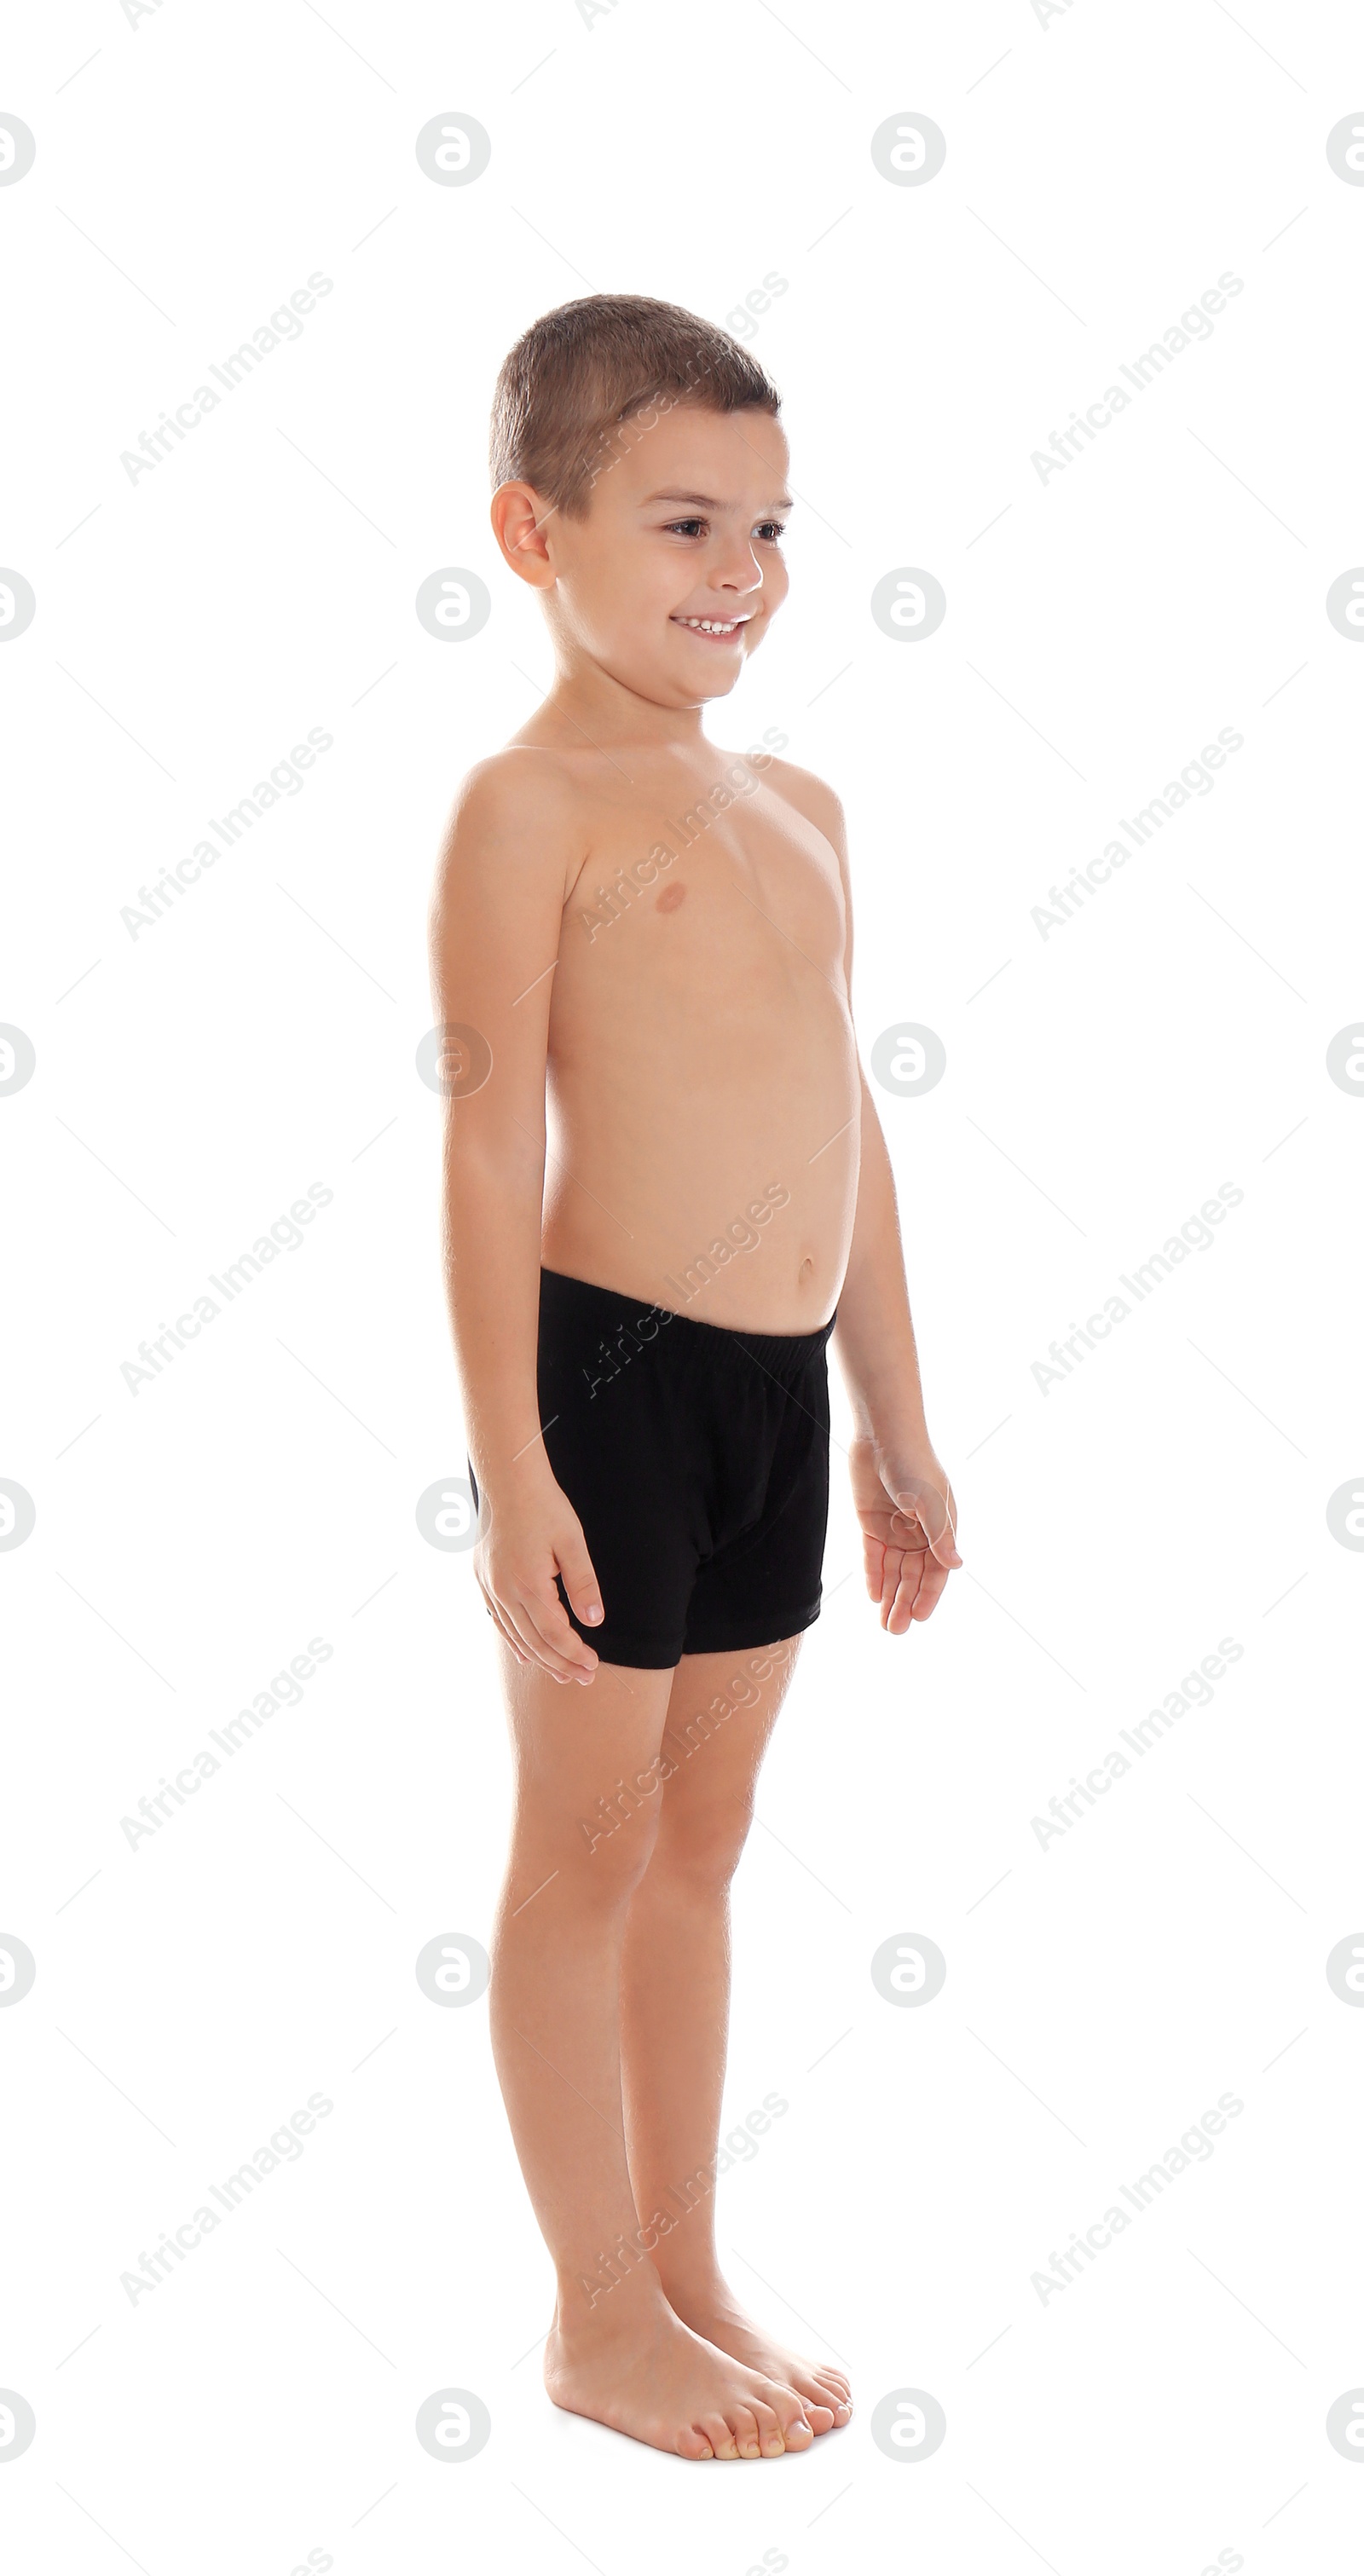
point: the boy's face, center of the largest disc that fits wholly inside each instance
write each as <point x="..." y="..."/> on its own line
<point x="670" y="579"/>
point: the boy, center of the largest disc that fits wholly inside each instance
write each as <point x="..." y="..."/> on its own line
<point x="654" y="937"/>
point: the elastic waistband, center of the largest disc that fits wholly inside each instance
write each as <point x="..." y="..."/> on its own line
<point x="608" y="1311"/>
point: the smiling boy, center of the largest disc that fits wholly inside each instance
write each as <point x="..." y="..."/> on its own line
<point x="665" y="1194"/>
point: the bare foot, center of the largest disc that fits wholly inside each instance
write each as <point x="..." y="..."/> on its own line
<point x="715" y="2313"/>
<point x="646" y="2374"/>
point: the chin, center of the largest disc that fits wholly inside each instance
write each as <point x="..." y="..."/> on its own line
<point x="721" y="685"/>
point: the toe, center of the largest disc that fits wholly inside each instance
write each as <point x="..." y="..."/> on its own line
<point x="770" y="2433"/>
<point x="743" y="2424"/>
<point x="790" y="2414"/>
<point x="718" y="2435"/>
<point x="693" y="2444"/>
<point x="819" y="2402"/>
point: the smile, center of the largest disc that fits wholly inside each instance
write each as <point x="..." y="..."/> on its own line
<point x="720" y="626"/>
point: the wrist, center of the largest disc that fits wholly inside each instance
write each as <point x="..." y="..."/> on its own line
<point x="513" y="1478"/>
<point x="896" y="1435"/>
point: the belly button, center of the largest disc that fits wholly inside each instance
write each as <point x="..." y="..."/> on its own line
<point x="670" y="898"/>
<point x="807" y="1264"/>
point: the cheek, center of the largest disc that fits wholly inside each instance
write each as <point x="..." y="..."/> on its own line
<point x="608" y="621"/>
<point x="776" y="583"/>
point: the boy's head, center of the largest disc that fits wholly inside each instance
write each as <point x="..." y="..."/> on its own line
<point x="640" y="471"/>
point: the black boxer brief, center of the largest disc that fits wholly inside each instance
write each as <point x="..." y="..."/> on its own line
<point x="697" y="1460"/>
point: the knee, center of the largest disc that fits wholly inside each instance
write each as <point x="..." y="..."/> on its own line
<point x="610" y="1850"/>
<point x="702" y="1849"/>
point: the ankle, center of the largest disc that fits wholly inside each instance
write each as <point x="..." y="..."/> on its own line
<point x="697" y="2286"/>
<point x="594" y="2308"/>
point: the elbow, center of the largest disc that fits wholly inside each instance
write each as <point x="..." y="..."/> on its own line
<point x="483" y="1162"/>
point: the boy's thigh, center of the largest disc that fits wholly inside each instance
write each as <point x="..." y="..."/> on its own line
<point x="721" y="1711"/>
<point x="576" y="1743"/>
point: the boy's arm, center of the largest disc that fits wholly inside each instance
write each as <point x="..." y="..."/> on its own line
<point x="509" y="860"/>
<point x="903" y="1498"/>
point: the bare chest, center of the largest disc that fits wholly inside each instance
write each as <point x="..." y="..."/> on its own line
<point x="725" y="893"/>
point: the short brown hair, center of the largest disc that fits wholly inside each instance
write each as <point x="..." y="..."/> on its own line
<point x="584" y="370"/>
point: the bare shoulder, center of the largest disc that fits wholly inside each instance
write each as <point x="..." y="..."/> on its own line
<point x="518" y="812"/>
<point x="812" y="797"/>
<point x="514" y="786"/>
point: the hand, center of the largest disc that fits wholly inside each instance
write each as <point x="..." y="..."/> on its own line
<point x="908" y="1513"/>
<point x="532" y="1536"/>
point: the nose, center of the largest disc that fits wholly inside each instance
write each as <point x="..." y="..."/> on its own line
<point x="738" y="568"/>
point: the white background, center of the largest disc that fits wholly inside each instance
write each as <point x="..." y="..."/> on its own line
<point x="1102" y="171"/>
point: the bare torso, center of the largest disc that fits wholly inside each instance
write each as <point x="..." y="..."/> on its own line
<point x="703" y="1089"/>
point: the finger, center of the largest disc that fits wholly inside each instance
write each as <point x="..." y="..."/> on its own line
<point x="580" y="1581"/>
<point x="525" y="1613"/>
<point x="932" y="1585"/>
<point x="518" y="1631"/>
<point x="901" y="1613"/>
<point x="501" y="1626"/>
<point x="510" y="1640"/>
<point x="873" y="1562"/>
<point x="554" y="1634"/>
<point x="944" y="1541"/>
<point x="937" y="1517"/>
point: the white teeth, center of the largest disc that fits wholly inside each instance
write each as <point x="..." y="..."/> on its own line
<point x="711" y="625"/>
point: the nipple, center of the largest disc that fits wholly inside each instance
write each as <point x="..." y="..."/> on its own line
<point x="670" y="898"/>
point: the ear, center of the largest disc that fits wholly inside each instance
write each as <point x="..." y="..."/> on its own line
<point x="519" y="518"/>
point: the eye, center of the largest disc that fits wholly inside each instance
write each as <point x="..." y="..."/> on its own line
<point x="771" y="531"/>
<point x="685" y="527"/>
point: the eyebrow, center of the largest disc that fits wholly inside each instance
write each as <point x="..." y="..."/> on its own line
<point x="704" y="501"/>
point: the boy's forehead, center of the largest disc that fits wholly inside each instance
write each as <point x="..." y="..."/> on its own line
<point x="735" y="459"/>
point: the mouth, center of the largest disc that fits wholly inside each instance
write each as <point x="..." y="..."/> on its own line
<point x="714" y="630"/>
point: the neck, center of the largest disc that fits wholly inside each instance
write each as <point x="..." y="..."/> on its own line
<point x="587" y="706"/>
